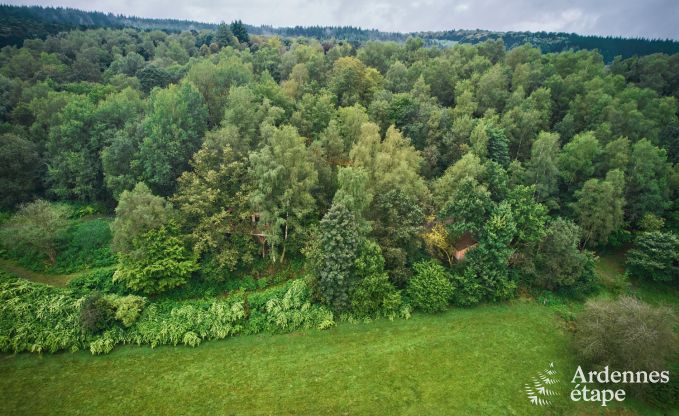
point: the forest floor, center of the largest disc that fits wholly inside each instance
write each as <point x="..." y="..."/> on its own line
<point x="464" y="361"/>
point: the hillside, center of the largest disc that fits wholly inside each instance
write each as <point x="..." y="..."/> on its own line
<point x="18" y="23"/>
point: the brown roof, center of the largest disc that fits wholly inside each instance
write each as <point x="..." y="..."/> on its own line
<point x="466" y="240"/>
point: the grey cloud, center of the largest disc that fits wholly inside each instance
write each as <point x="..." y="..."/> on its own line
<point x="652" y="18"/>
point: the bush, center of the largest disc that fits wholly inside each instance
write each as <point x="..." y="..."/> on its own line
<point x="100" y="280"/>
<point x="655" y="256"/>
<point x="376" y="295"/>
<point x="85" y="245"/>
<point x="96" y="313"/>
<point x="626" y="334"/>
<point x="35" y="317"/>
<point x="467" y="291"/>
<point x="665" y="395"/>
<point x="159" y="261"/>
<point x="429" y="289"/>
<point x="128" y="308"/>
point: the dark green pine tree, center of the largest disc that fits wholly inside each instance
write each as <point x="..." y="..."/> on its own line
<point x="225" y="36"/>
<point x="240" y="32"/>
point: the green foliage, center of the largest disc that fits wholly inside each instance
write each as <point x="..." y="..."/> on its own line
<point x="655" y="255"/>
<point x="137" y="212"/>
<point x="100" y="280"/>
<point x="85" y="245"/>
<point x="648" y="185"/>
<point x="352" y="82"/>
<point x="127" y="308"/>
<point x="36" y="229"/>
<point x="467" y="289"/>
<point x="468" y="208"/>
<point x="607" y="331"/>
<point x="333" y="259"/>
<point x="599" y="207"/>
<point x="397" y="220"/>
<point x="557" y="261"/>
<point x="37" y="318"/>
<point x="374" y="293"/>
<point x="543" y="167"/>
<point x="96" y="313"/>
<point x="159" y="261"/>
<point x="18" y="170"/>
<point x="213" y="208"/>
<point x="174" y="126"/>
<point x="430" y="288"/>
<point x="577" y="160"/>
<point x="489" y="261"/>
<point x="651" y="222"/>
<point x="498" y="146"/>
<point x="254" y="139"/>
<point x="284" y="175"/>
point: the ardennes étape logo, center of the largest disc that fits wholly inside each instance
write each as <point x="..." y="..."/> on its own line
<point x="541" y="388"/>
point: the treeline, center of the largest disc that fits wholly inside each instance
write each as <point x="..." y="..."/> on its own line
<point x="608" y="46"/>
<point x="18" y="23"/>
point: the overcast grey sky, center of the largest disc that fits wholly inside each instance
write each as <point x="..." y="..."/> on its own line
<point x="648" y="18"/>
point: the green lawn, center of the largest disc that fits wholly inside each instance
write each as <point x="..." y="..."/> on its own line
<point x="463" y="362"/>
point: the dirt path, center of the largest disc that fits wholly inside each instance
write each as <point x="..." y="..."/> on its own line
<point x="58" y="280"/>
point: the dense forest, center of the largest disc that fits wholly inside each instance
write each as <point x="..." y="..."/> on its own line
<point x="18" y="23"/>
<point x="220" y="182"/>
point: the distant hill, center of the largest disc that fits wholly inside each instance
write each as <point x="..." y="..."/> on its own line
<point x="18" y="23"/>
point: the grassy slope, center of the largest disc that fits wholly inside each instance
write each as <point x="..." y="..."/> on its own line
<point x="472" y="361"/>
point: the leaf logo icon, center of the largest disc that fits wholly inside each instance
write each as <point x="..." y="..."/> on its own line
<point x="540" y="389"/>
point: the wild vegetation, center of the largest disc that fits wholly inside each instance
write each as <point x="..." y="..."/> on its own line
<point x="200" y="185"/>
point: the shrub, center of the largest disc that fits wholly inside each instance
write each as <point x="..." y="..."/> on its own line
<point x="159" y="261"/>
<point x="626" y="334"/>
<point x="429" y="289"/>
<point x="655" y="255"/>
<point x="96" y="313"/>
<point x="86" y="245"/>
<point x="100" y="280"/>
<point x="376" y="295"/>
<point x="36" y="317"/>
<point x="128" y="308"/>
<point x="467" y="291"/>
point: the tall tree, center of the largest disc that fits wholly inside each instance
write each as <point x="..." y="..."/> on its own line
<point x="338" y="243"/>
<point x="212" y="201"/>
<point x="647" y="190"/>
<point x="599" y="207"/>
<point x="174" y="129"/>
<point x="543" y="168"/>
<point x="284" y="175"/>
<point x="240" y="32"/>
<point x="19" y="172"/>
